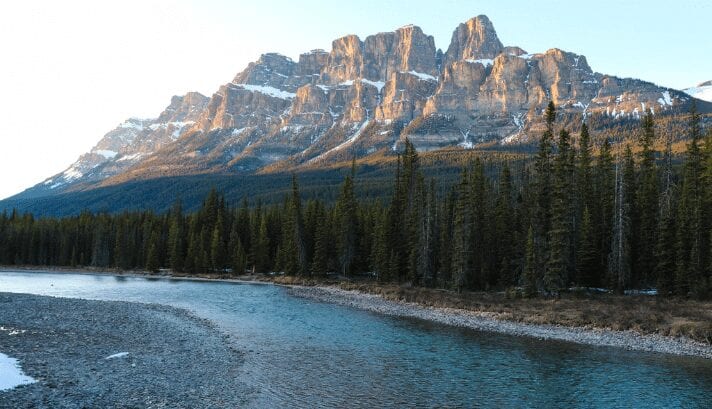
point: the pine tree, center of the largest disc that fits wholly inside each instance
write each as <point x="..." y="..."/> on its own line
<point x="346" y="216"/>
<point x="261" y="248"/>
<point x="543" y="190"/>
<point x="530" y="266"/>
<point x="619" y="265"/>
<point x="462" y="235"/>
<point x="482" y="272"/>
<point x="504" y="229"/>
<point x="587" y="260"/>
<point x="218" y="251"/>
<point x="602" y="212"/>
<point x="152" y="258"/>
<point x="320" y="263"/>
<point x="293" y="248"/>
<point x="427" y="251"/>
<point x="665" y="251"/>
<point x="380" y="260"/>
<point x="647" y="199"/>
<point x="176" y="239"/>
<point x="418" y="253"/>
<point x="584" y="170"/>
<point x="690" y="237"/>
<point x="121" y="250"/>
<point x="584" y="187"/>
<point x="239" y="258"/>
<point x="559" y="263"/>
<point x="446" y="240"/>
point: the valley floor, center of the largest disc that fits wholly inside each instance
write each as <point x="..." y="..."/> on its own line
<point x="98" y="354"/>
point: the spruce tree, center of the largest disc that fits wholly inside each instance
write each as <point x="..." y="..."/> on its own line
<point x="176" y="238"/>
<point x="320" y="263"/>
<point x="152" y="258"/>
<point x="293" y="249"/>
<point x="559" y="264"/>
<point x="690" y="236"/>
<point x="543" y="190"/>
<point x="619" y="265"/>
<point x="602" y="212"/>
<point x="462" y="235"/>
<point x="347" y="227"/>
<point x="504" y="230"/>
<point x="587" y="260"/>
<point x="218" y="251"/>
<point x="529" y="278"/>
<point x="261" y="248"/>
<point x="239" y="258"/>
<point x="647" y="199"/>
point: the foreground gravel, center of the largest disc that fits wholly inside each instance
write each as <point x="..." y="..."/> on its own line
<point x="174" y="359"/>
<point x="488" y="322"/>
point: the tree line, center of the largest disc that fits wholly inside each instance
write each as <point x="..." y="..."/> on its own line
<point x="575" y="215"/>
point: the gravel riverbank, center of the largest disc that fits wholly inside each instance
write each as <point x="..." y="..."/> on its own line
<point x="488" y="322"/>
<point x="100" y="354"/>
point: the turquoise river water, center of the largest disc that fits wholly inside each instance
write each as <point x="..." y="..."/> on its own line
<point x="303" y="353"/>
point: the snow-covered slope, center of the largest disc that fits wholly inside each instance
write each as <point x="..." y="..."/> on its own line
<point x="702" y="91"/>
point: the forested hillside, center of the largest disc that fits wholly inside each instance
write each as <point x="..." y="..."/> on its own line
<point x="624" y="215"/>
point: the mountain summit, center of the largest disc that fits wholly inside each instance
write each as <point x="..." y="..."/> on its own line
<point x="363" y="97"/>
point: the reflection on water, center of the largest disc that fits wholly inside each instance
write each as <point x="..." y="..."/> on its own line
<point x="304" y="353"/>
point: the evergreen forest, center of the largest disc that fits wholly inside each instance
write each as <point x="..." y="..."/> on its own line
<point x="618" y="215"/>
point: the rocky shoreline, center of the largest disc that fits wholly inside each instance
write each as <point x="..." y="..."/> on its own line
<point x="107" y="354"/>
<point x="630" y="340"/>
<point x="482" y="321"/>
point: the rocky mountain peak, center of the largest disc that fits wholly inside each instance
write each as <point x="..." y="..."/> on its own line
<point x="345" y="60"/>
<point x="363" y="97"/>
<point x="403" y="50"/>
<point x="184" y="107"/>
<point x="312" y="63"/>
<point x="271" y="69"/>
<point x="476" y="39"/>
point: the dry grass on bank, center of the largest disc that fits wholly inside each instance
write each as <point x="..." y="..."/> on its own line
<point x="642" y="313"/>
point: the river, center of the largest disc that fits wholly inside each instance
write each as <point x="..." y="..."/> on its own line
<point x="304" y="353"/>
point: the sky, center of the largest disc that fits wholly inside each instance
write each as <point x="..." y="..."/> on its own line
<point x="72" y="70"/>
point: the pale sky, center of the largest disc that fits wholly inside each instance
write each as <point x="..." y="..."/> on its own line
<point x="72" y="70"/>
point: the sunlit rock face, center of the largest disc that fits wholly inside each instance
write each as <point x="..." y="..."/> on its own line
<point x="364" y="97"/>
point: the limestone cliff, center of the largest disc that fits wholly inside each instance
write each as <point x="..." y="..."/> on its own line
<point x="362" y="97"/>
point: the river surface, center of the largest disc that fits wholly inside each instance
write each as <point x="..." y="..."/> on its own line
<point x="303" y="353"/>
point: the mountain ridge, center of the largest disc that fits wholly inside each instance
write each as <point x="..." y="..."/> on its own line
<point x="363" y="97"/>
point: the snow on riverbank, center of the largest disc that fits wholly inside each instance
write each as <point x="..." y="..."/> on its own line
<point x="118" y="355"/>
<point x="489" y="322"/>
<point x="11" y="374"/>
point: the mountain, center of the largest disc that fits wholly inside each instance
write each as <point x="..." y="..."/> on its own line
<point x="702" y="91"/>
<point x="361" y="98"/>
<point x="126" y="145"/>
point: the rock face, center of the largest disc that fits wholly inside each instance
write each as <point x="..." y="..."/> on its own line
<point x="362" y="97"/>
<point x="475" y="39"/>
<point x="128" y="144"/>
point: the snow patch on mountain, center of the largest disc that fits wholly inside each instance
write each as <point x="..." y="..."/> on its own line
<point x="666" y="99"/>
<point x="107" y="154"/>
<point x="423" y="76"/>
<point x="702" y="91"/>
<point x="484" y="61"/>
<point x="378" y="84"/>
<point x="267" y="90"/>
